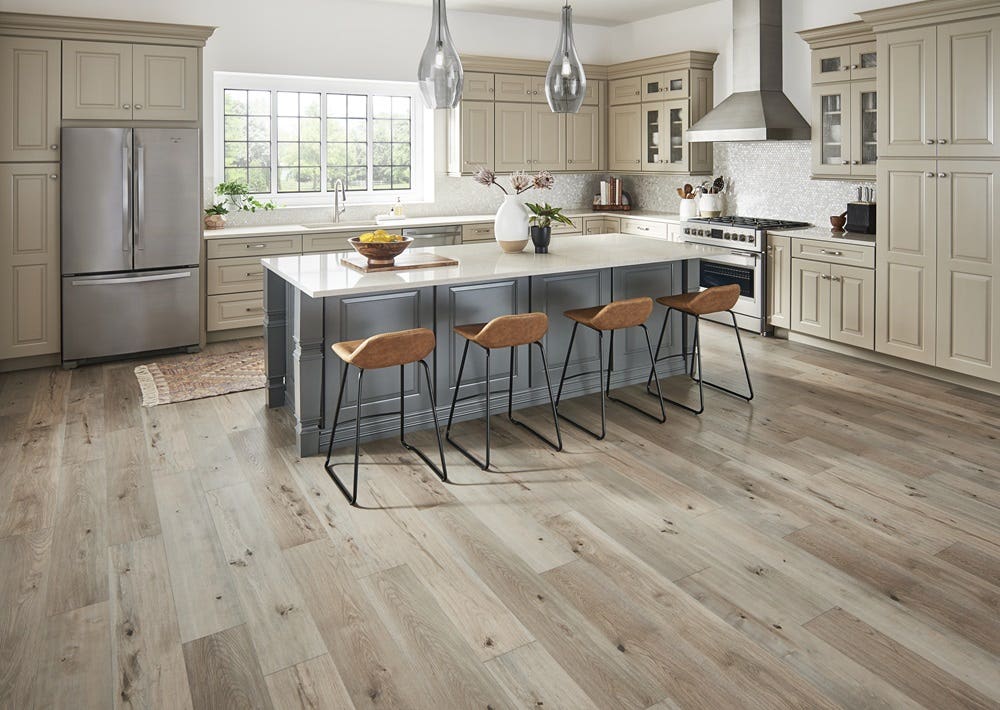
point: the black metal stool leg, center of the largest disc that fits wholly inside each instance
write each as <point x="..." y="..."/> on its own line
<point x="746" y="369"/>
<point x="652" y="361"/>
<point x="352" y="496"/>
<point x="442" y="472"/>
<point x="451" y="414"/>
<point x="458" y="387"/>
<point x="569" y="350"/>
<point x="600" y="375"/>
<point x="555" y="419"/>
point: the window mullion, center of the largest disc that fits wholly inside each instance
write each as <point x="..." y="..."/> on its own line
<point x="274" y="142"/>
<point x="322" y="144"/>
<point x="370" y="148"/>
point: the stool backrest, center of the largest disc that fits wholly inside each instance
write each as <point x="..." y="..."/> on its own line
<point x="716" y="299"/>
<point x="626" y="313"/>
<point x="513" y="330"/>
<point x="390" y="349"/>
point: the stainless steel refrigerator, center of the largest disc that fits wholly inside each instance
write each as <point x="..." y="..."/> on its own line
<point x="131" y="235"/>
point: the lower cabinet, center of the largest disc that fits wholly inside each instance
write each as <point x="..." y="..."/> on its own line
<point x="834" y="302"/>
<point x="29" y="260"/>
<point x="779" y="284"/>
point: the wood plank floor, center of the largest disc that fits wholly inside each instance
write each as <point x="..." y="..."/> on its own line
<point x="834" y="544"/>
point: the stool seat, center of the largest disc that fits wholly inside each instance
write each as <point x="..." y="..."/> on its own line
<point x="506" y="331"/>
<point x="386" y="349"/>
<point x="627" y="313"/>
<point x="717" y="299"/>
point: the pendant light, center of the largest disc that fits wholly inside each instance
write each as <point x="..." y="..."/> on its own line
<point x="440" y="71"/>
<point x="565" y="82"/>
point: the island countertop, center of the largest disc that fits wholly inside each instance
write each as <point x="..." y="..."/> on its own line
<point x="322" y="275"/>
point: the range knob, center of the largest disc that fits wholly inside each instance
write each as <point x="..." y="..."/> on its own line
<point x="701" y="233"/>
<point x="743" y="237"/>
<point x="687" y="230"/>
<point x="727" y="235"/>
<point x="752" y="239"/>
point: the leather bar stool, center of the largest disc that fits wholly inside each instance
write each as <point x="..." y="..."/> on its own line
<point x="717" y="299"/>
<point x="396" y="349"/>
<point x="503" y="332"/>
<point x="617" y="315"/>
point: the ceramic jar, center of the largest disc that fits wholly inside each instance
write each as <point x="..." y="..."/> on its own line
<point x="511" y="224"/>
<point x="689" y="209"/>
<point x="710" y="205"/>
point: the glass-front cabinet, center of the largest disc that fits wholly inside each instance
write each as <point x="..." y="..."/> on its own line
<point x="845" y="117"/>
<point x="663" y="126"/>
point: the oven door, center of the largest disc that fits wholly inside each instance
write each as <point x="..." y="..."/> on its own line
<point x="738" y="267"/>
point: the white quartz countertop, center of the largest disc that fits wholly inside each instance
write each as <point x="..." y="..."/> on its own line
<point x="277" y="230"/>
<point x="825" y="234"/>
<point x="321" y="275"/>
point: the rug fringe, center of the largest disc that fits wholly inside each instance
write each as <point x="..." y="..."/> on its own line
<point x="152" y="384"/>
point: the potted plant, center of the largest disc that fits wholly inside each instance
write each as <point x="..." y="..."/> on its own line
<point x="542" y="217"/>
<point x="215" y="216"/>
<point x="511" y="223"/>
<point x="236" y="196"/>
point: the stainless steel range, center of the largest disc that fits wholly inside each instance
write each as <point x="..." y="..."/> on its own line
<point x="746" y="237"/>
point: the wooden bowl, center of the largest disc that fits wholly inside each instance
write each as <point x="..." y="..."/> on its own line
<point x="837" y="222"/>
<point x="380" y="253"/>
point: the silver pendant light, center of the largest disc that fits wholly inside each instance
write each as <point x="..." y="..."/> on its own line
<point x="440" y="71"/>
<point x="565" y="82"/>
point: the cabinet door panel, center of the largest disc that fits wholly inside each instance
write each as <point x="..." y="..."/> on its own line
<point x="779" y="288"/>
<point x="831" y="117"/>
<point x="583" y="139"/>
<point x="864" y="128"/>
<point x="29" y="99"/>
<point x="513" y="137"/>
<point x="625" y="137"/>
<point x="593" y="95"/>
<point x="625" y="91"/>
<point x="907" y="90"/>
<point x="548" y="139"/>
<point x="97" y="80"/>
<point x="968" y="299"/>
<point x="654" y="132"/>
<point x="852" y="306"/>
<point x="831" y="65"/>
<point x="811" y="298"/>
<point x="513" y="87"/>
<point x="29" y="259"/>
<point x="165" y="83"/>
<point x="905" y="259"/>
<point x="968" y="71"/>
<point x="477" y="135"/>
<point x="478" y="86"/>
<point x="538" y="90"/>
<point x="864" y="61"/>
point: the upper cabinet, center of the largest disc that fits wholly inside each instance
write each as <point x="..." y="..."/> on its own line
<point x="584" y="139"/>
<point x="844" y="101"/>
<point x="625" y="91"/>
<point x="116" y="81"/>
<point x="478" y="86"/>
<point x="29" y="109"/>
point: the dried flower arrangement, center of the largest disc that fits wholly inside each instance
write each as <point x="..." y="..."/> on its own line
<point x="519" y="181"/>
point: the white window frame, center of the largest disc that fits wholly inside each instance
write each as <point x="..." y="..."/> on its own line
<point x="421" y="135"/>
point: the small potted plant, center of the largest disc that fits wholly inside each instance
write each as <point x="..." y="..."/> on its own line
<point x="542" y="217"/>
<point x="215" y="216"/>
<point x="236" y="196"/>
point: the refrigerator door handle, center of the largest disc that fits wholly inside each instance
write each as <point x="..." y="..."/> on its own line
<point x="126" y="201"/>
<point x="140" y="200"/>
<point x="131" y="280"/>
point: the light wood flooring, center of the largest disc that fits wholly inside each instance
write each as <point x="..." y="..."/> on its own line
<point x="834" y="544"/>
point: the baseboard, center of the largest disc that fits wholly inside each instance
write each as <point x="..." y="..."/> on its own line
<point x="30" y="363"/>
<point x="937" y="373"/>
<point x="220" y="336"/>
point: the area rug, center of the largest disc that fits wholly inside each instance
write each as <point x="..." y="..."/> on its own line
<point x="200" y="375"/>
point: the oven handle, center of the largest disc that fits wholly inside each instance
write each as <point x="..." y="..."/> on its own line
<point x="738" y="258"/>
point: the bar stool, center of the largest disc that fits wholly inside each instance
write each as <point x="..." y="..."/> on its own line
<point x="503" y="332"/>
<point x="617" y="315"/>
<point x="380" y="351"/>
<point x="717" y="299"/>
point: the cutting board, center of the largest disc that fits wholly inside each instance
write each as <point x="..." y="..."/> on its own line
<point x="404" y="262"/>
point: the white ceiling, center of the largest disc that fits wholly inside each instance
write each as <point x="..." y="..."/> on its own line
<point x="597" y="12"/>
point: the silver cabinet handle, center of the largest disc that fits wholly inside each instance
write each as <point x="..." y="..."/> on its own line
<point x="846" y="67"/>
<point x="255" y="273"/>
<point x="492" y="90"/>
<point x="854" y="66"/>
<point x="825" y="277"/>
<point x="140" y="198"/>
<point x="643" y="229"/>
<point x="930" y="141"/>
<point x="831" y="253"/>
<point x="126" y="106"/>
<point x="54" y="146"/>
<point x="854" y="162"/>
<point x="942" y="141"/>
<point x="255" y="246"/>
<point x="834" y="278"/>
<point x="845" y="162"/>
<point x="928" y="174"/>
<point x="138" y="107"/>
<point x="133" y="280"/>
<point x="53" y="176"/>
<point x="126" y="200"/>
<point x="942" y="175"/>
<point x="257" y="309"/>
<point x="570" y="162"/>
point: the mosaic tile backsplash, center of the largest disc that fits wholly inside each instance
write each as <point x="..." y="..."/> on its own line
<point x="769" y="179"/>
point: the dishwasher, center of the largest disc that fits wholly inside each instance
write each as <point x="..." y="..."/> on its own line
<point x="434" y="236"/>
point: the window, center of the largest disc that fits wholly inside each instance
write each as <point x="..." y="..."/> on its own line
<point x="293" y="138"/>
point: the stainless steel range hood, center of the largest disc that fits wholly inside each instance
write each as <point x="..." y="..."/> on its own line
<point x="757" y="110"/>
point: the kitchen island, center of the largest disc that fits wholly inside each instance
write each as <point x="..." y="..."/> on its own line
<point x="312" y="301"/>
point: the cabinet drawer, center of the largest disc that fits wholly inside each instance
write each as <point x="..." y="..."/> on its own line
<point x="625" y="91"/>
<point x="477" y="232"/>
<point x="237" y="310"/>
<point x="849" y="254"/>
<point x="644" y="228"/>
<point x="327" y="241"/>
<point x="563" y="230"/>
<point x="259" y="246"/>
<point x="235" y="275"/>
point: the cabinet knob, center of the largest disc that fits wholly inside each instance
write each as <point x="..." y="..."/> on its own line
<point x="636" y="93"/>
<point x="942" y="141"/>
<point x="53" y="177"/>
<point x="928" y="174"/>
<point x="845" y="162"/>
<point x="854" y="162"/>
<point x="138" y="107"/>
<point x="570" y="162"/>
<point x="54" y="146"/>
<point x="942" y="175"/>
<point x="126" y="106"/>
<point x="492" y="90"/>
<point x="929" y="141"/>
<point x="825" y="277"/>
<point x="846" y="67"/>
<point x="834" y="278"/>
<point x="854" y="66"/>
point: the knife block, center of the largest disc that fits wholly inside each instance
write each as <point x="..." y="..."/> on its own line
<point x="860" y="217"/>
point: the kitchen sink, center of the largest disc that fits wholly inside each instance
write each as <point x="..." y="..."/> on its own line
<point x="335" y="225"/>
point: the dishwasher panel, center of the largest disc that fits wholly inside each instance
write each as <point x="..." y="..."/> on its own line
<point x="443" y="236"/>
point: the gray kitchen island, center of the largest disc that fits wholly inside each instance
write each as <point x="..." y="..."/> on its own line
<point x="312" y="301"/>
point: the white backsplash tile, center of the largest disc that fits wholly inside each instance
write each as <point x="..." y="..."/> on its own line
<point x="768" y="179"/>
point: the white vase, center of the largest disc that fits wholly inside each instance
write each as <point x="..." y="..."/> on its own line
<point x="689" y="209"/>
<point x="511" y="224"/>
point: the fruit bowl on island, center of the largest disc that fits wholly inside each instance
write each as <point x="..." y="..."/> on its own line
<point x="380" y="247"/>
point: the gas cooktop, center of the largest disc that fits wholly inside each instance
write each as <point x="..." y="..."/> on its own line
<point x="750" y="222"/>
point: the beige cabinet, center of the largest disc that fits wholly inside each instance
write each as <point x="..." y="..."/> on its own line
<point x="625" y="91"/>
<point x="514" y="87"/>
<point x="811" y="298"/>
<point x="907" y="89"/>
<point x="548" y="139"/>
<point x="968" y="71"/>
<point x="625" y="137"/>
<point x="474" y="136"/>
<point x="513" y="136"/>
<point x="779" y="286"/>
<point x="844" y="63"/>
<point x="29" y="99"/>
<point x="29" y="259"/>
<point x="643" y="227"/>
<point x="833" y="302"/>
<point x="594" y="91"/>
<point x="663" y="127"/>
<point x="599" y="225"/>
<point x="583" y="139"/>
<point x="482" y="232"/>
<point x="968" y="267"/>
<point x="478" y="86"/>
<point x="906" y="259"/>
<point x="665" y="85"/>
<point x="116" y="81"/>
<point x="845" y="129"/>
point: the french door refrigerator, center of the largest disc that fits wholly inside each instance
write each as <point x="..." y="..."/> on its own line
<point x="131" y="233"/>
